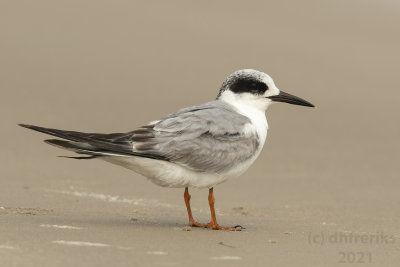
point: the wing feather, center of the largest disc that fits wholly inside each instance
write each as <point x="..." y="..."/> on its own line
<point x="206" y="138"/>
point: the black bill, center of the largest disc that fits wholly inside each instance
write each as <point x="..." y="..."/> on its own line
<point x="291" y="99"/>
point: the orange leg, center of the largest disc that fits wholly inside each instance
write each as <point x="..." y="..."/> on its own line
<point x="192" y="222"/>
<point x="213" y="224"/>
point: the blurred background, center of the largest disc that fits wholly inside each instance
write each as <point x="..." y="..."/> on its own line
<point x="111" y="66"/>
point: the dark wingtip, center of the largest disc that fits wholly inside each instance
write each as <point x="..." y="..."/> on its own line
<point x="25" y="125"/>
<point x="33" y="127"/>
<point x="312" y="105"/>
<point x="40" y="129"/>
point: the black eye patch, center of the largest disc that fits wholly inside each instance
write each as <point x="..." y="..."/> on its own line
<point x="248" y="85"/>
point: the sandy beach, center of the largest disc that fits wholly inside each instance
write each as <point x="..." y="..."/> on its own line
<point x="324" y="191"/>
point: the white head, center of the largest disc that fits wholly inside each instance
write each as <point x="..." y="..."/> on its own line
<point x="256" y="89"/>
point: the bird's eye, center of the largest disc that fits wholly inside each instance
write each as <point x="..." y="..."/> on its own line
<point x="258" y="86"/>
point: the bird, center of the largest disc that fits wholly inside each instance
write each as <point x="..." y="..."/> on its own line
<point x="195" y="147"/>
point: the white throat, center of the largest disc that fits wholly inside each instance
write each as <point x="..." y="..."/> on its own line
<point x="246" y="103"/>
<point x="251" y="107"/>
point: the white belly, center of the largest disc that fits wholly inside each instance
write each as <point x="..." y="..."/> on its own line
<point x="164" y="173"/>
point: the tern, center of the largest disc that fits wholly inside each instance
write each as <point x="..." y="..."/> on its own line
<point x="199" y="146"/>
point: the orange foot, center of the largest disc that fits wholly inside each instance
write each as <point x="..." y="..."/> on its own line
<point x="197" y="224"/>
<point x="217" y="226"/>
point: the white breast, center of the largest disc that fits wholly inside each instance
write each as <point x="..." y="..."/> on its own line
<point x="258" y="126"/>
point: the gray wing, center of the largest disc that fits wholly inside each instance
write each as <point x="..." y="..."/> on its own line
<point x="206" y="138"/>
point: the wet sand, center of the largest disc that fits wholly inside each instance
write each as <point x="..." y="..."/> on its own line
<point x="325" y="190"/>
